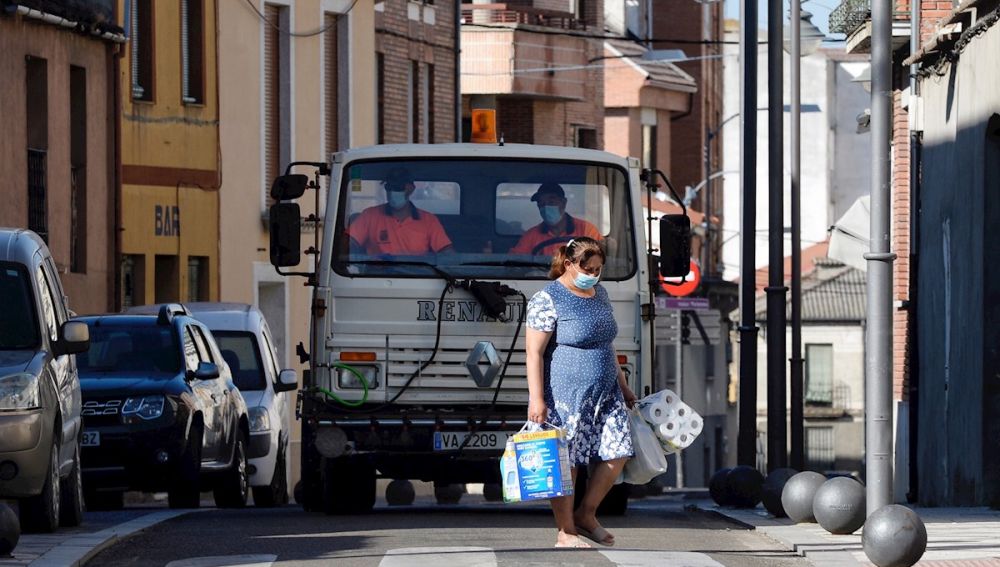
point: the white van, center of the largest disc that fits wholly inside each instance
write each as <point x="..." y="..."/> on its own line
<point x="248" y="348"/>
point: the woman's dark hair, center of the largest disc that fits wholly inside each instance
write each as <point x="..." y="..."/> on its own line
<point x="577" y="251"/>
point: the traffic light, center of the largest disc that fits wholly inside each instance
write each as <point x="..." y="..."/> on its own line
<point x="685" y="328"/>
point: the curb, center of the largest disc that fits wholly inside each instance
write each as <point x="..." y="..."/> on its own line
<point x="78" y="550"/>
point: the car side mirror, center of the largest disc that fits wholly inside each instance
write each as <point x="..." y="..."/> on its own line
<point x="74" y="338"/>
<point x="287" y="381"/>
<point x="675" y="246"/>
<point x="206" y="371"/>
<point x="285" y="224"/>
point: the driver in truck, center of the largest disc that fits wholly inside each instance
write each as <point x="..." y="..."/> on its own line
<point x="398" y="227"/>
<point x="557" y="227"/>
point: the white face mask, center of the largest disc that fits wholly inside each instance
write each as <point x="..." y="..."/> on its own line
<point x="397" y="199"/>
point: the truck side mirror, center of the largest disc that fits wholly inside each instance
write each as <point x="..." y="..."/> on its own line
<point x="289" y="187"/>
<point x="675" y="246"/>
<point x="285" y="223"/>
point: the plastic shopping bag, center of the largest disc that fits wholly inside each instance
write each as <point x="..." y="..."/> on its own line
<point x="649" y="460"/>
<point x="535" y="465"/>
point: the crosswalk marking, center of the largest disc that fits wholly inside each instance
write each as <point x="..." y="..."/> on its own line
<point x="437" y="556"/>
<point x="226" y="561"/>
<point x="639" y="558"/>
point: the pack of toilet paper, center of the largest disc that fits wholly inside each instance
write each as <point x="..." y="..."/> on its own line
<point x="676" y="425"/>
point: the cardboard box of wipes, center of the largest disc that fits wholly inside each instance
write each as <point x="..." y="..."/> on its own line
<point x="535" y="466"/>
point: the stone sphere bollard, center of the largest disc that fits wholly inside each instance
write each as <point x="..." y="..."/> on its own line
<point x="771" y="493"/>
<point x="400" y="492"/>
<point x="839" y="505"/>
<point x="10" y="530"/>
<point x="894" y="536"/>
<point x="744" y="486"/>
<point x="448" y="494"/>
<point x="797" y="496"/>
<point x="717" y="487"/>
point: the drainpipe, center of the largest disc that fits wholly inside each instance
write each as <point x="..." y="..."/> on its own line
<point x="115" y="185"/>
<point x="458" y="71"/>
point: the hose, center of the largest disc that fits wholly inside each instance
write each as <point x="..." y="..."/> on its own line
<point x="335" y="397"/>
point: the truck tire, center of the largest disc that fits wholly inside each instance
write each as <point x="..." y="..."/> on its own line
<point x="71" y="507"/>
<point x="234" y="486"/>
<point x="348" y="486"/>
<point x="185" y="488"/>
<point x="614" y="504"/>
<point x="276" y="493"/>
<point x="40" y="514"/>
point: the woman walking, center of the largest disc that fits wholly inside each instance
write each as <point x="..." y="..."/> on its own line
<point x="575" y="382"/>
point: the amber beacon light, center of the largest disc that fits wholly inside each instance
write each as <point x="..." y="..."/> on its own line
<point x="484" y="126"/>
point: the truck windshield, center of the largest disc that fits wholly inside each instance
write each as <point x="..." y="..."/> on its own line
<point x="478" y="218"/>
<point x="18" y="321"/>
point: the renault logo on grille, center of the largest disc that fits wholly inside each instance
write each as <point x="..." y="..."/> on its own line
<point x="475" y="361"/>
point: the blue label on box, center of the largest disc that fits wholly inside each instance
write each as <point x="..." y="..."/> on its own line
<point x="536" y="466"/>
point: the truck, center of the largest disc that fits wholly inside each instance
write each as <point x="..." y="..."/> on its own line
<point x="416" y="364"/>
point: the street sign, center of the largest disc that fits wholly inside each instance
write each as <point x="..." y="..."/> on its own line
<point x="691" y="282"/>
<point x="689" y="303"/>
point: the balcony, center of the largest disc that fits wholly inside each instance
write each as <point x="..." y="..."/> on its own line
<point x="520" y="15"/>
<point x="853" y="18"/>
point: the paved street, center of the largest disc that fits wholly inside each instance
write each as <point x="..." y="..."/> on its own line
<point x="657" y="531"/>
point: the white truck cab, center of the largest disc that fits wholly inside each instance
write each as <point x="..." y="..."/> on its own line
<point x="416" y="357"/>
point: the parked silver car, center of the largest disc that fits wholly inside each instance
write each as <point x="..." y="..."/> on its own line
<point x="39" y="389"/>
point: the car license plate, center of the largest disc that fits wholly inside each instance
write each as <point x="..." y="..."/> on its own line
<point x="91" y="439"/>
<point x="481" y="440"/>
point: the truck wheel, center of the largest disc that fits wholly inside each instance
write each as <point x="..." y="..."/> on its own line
<point x="234" y="487"/>
<point x="104" y="500"/>
<point x="41" y="513"/>
<point x="184" y="490"/>
<point x="348" y="486"/>
<point x="71" y="507"/>
<point x="276" y="493"/>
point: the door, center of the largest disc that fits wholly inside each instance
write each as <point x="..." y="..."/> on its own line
<point x="220" y="388"/>
<point x="204" y="394"/>
<point x="59" y="367"/>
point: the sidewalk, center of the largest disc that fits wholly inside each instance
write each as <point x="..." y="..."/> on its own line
<point x="70" y="547"/>
<point x="956" y="537"/>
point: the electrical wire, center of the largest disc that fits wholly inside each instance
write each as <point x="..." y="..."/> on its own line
<point x="315" y="32"/>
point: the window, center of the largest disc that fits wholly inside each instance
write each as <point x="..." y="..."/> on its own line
<point x="414" y="102"/>
<point x="204" y="352"/>
<point x="819" y="375"/>
<point x="585" y="138"/>
<point x="649" y="146"/>
<point x="269" y="360"/>
<point x="277" y="90"/>
<point x="191" y="355"/>
<point x="167" y="279"/>
<point x="120" y="349"/>
<point x="516" y="212"/>
<point x="18" y="322"/>
<point x="141" y="52"/>
<point x="133" y="280"/>
<point x="197" y="278"/>
<point x="819" y="449"/>
<point x="332" y="84"/>
<point x="193" y="51"/>
<point x="78" y="169"/>
<point x="47" y="303"/>
<point x="37" y="91"/>
<point x="429" y="97"/>
<point x="241" y="353"/>
<point x="380" y="88"/>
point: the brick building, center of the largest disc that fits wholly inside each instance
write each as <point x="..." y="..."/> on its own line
<point x="416" y="45"/>
<point x="539" y="59"/>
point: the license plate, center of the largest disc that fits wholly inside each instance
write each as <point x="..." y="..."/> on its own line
<point x="482" y="440"/>
<point x="91" y="439"/>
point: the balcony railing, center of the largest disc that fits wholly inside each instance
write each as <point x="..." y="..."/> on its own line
<point x="850" y="15"/>
<point x="501" y="13"/>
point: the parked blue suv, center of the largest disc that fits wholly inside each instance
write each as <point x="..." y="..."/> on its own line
<point x="160" y="412"/>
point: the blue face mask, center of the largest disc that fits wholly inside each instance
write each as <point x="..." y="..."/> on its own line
<point x="397" y="199"/>
<point x="550" y="214"/>
<point x="585" y="281"/>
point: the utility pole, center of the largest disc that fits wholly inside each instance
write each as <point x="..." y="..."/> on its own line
<point x="746" y="443"/>
<point x="878" y="346"/>
<point x="777" y="427"/>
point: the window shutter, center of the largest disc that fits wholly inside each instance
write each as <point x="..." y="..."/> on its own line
<point x="272" y="99"/>
<point x="332" y="84"/>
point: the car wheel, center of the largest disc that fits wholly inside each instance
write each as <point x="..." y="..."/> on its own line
<point x="276" y="493"/>
<point x="95" y="501"/>
<point x="184" y="491"/>
<point x="71" y="507"/>
<point x="41" y="513"/>
<point x="234" y="486"/>
<point x="348" y="486"/>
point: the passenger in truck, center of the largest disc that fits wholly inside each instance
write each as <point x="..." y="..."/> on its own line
<point x="398" y="227"/>
<point x="557" y="227"/>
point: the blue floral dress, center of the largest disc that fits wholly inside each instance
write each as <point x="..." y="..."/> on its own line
<point x="581" y="372"/>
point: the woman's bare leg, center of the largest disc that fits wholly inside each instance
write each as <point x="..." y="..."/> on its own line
<point x="598" y="486"/>
<point x="562" y="509"/>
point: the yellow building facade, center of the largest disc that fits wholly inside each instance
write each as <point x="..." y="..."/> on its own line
<point x="170" y="152"/>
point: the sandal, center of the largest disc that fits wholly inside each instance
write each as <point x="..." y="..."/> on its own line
<point x="598" y="535"/>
